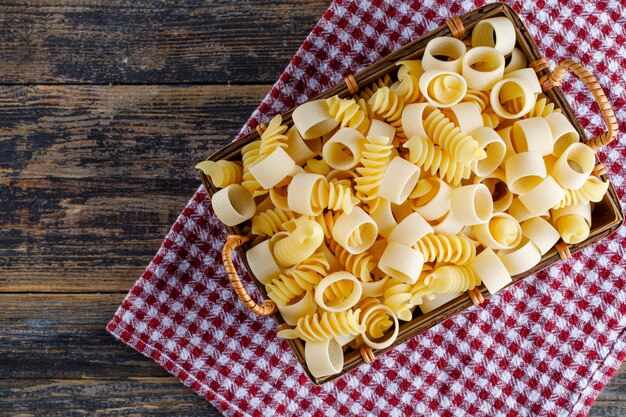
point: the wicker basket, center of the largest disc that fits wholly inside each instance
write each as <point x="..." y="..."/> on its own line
<point x="607" y="214"/>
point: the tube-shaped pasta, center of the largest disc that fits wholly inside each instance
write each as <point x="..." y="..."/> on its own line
<point x="532" y="134"/>
<point x="300" y="150"/>
<point x="451" y="49"/>
<point x="431" y="198"/>
<point x="348" y="113"/>
<point x="543" y="196"/>
<point x="452" y="279"/>
<point x="512" y="89"/>
<point x="313" y="120"/>
<point x="494" y="147"/>
<point x="483" y="66"/>
<point x="444" y="133"/>
<point x="471" y="204"/>
<point x="517" y="60"/>
<point x="574" y="166"/>
<point x="360" y="265"/>
<point x="355" y="231"/>
<point x="398" y="180"/>
<point x="388" y="105"/>
<point x="293" y="248"/>
<point x="491" y="271"/>
<point x="502" y="231"/>
<point x="271" y="221"/>
<point x="274" y="136"/>
<point x="376" y="157"/>
<point x="592" y="190"/>
<point x="500" y="193"/>
<point x="435" y="160"/>
<point x="316" y="328"/>
<point x="233" y="205"/>
<point x="269" y="170"/>
<point x="292" y="312"/>
<point x="465" y="116"/>
<point x="520" y="259"/>
<point x="563" y="133"/>
<point x="497" y="32"/>
<point x="294" y="282"/>
<point x="222" y="172"/>
<point x="338" y="291"/>
<point x="524" y="171"/>
<point x="455" y="249"/>
<point x="442" y="88"/>
<point x="344" y="149"/>
<point x="324" y="358"/>
<point x="401" y="262"/>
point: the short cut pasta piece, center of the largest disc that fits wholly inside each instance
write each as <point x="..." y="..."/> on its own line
<point x="483" y="66"/>
<point x="497" y="32"/>
<point x="356" y="231"/>
<point x="273" y="168"/>
<point x="222" y="173"/>
<point x="401" y="262"/>
<point x="543" y="196"/>
<point x="471" y="204"/>
<point x="233" y="205"/>
<point x="574" y="166"/>
<point x="343" y="303"/>
<point x="323" y="358"/>
<point x="502" y="231"/>
<point x="541" y="233"/>
<point x="524" y="171"/>
<point x="303" y="307"/>
<point x="344" y="149"/>
<point x="398" y="180"/>
<point x="517" y="60"/>
<point x="442" y="88"/>
<point x="520" y="259"/>
<point x="313" y="120"/>
<point x="452" y="49"/>
<point x="491" y="271"/>
<point x="563" y="132"/>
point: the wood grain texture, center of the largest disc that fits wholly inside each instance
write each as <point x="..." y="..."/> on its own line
<point x="133" y="396"/>
<point x="130" y="41"/>
<point x="91" y="177"/>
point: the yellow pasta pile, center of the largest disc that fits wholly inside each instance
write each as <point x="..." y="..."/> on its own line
<point x="453" y="172"/>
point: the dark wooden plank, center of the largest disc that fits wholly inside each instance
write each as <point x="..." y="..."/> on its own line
<point x="63" y="336"/>
<point x="132" y="41"/>
<point x="92" y="177"/>
<point x="612" y="399"/>
<point x="141" y="396"/>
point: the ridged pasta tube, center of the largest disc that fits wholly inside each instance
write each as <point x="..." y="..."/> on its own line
<point x="309" y="194"/>
<point x="378" y="321"/>
<point x="455" y="249"/>
<point x="316" y="328"/>
<point x="222" y="173"/>
<point x="433" y="158"/>
<point x="367" y="92"/>
<point x="360" y="265"/>
<point x="300" y="244"/>
<point x="348" y="113"/>
<point x="462" y="147"/>
<point x="451" y="279"/>
<point x="250" y="155"/>
<point x="388" y="105"/>
<point x="271" y="221"/>
<point x="303" y="277"/>
<point x="376" y="157"/>
<point x="593" y="190"/>
<point x="274" y="136"/>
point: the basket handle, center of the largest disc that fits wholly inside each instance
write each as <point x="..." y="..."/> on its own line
<point x="556" y="79"/>
<point x="267" y="307"/>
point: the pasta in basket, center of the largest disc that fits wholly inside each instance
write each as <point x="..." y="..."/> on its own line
<point x="453" y="172"/>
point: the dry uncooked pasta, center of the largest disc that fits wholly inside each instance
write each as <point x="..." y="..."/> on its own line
<point x="453" y="172"/>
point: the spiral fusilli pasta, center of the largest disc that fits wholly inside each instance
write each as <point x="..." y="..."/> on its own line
<point x="455" y="249"/>
<point x="250" y="155"/>
<point x="360" y="265"/>
<point x="367" y="92"/>
<point x="462" y="147"/>
<point x="271" y="221"/>
<point x="376" y="157"/>
<point x="348" y="113"/>
<point x="378" y="322"/>
<point x="303" y="277"/>
<point x="451" y="279"/>
<point x="315" y="328"/>
<point x="434" y="159"/>
<point x="592" y="191"/>
<point x="479" y="97"/>
<point x="222" y="173"/>
<point x="397" y="296"/>
<point x="388" y="105"/>
<point x="300" y="244"/>
<point x="273" y="136"/>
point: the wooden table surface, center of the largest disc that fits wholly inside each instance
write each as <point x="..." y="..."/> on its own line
<point x="105" y="106"/>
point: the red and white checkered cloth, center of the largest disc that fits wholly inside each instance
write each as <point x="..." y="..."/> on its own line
<point x="546" y="346"/>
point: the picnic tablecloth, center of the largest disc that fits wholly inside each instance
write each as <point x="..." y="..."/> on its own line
<point x="546" y="346"/>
